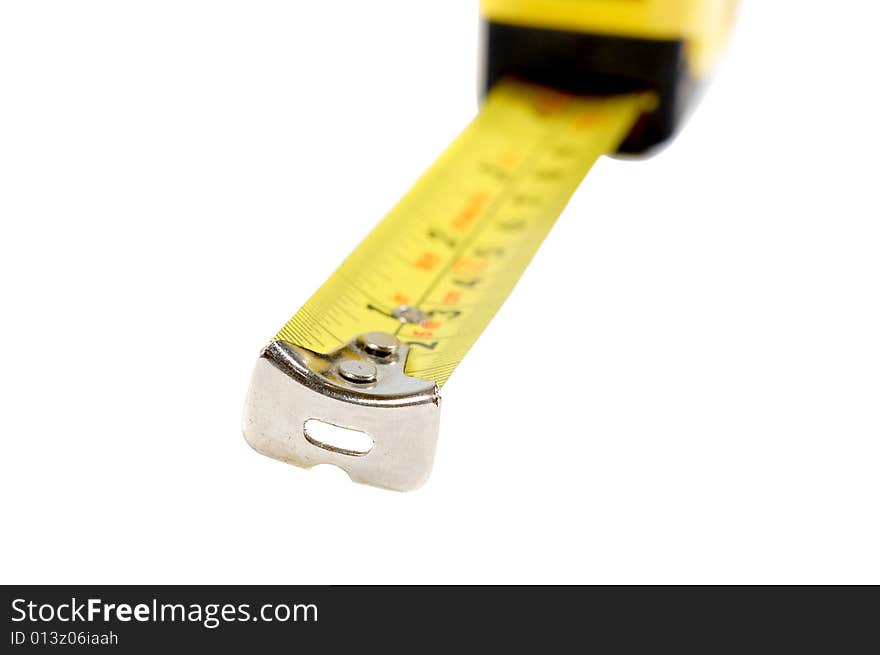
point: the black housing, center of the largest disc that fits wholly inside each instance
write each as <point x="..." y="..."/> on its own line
<point x="597" y="64"/>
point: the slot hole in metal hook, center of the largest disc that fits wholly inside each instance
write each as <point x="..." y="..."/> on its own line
<point x="337" y="439"/>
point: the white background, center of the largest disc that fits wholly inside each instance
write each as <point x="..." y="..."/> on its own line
<point x="176" y="178"/>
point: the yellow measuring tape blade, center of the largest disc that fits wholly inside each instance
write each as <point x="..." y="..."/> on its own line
<point x="456" y="244"/>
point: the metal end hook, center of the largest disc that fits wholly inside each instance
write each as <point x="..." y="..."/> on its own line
<point x="361" y="387"/>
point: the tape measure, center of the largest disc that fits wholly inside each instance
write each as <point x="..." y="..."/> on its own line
<point x="370" y="350"/>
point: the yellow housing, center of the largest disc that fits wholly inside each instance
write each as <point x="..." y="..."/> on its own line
<point x="702" y="24"/>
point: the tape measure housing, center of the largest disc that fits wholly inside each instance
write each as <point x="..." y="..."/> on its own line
<point x="610" y="46"/>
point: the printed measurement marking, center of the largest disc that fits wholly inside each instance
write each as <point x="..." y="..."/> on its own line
<point x="455" y="245"/>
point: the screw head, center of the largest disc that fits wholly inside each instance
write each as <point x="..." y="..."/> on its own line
<point x="409" y="314"/>
<point x="379" y="344"/>
<point x="357" y="371"/>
